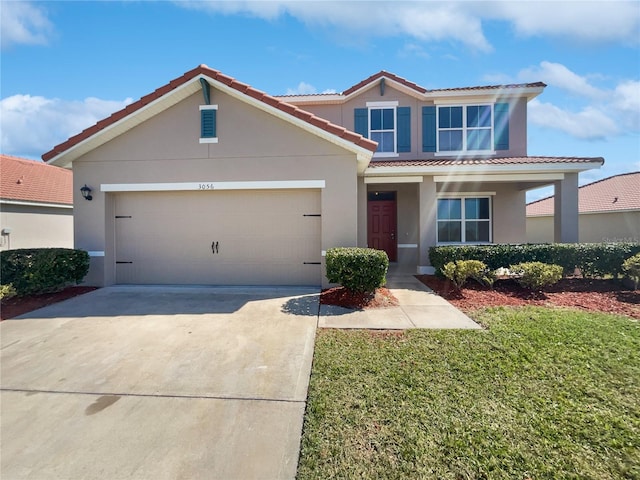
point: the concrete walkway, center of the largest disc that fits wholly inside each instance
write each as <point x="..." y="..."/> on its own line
<point x="419" y="307"/>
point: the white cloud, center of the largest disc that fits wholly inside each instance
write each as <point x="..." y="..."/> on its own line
<point x="589" y="123"/>
<point x="32" y="125"/>
<point x="302" y="89"/>
<point x="24" y="23"/>
<point x="607" y="111"/>
<point x="557" y="75"/>
<point x="413" y="50"/>
<point x="422" y="20"/>
<point x="590" y="21"/>
<point x="458" y="21"/>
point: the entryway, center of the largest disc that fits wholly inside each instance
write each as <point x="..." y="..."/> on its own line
<point x="382" y="223"/>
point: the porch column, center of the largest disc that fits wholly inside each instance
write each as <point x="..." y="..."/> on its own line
<point x="427" y="199"/>
<point x="565" y="213"/>
<point x="362" y="212"/>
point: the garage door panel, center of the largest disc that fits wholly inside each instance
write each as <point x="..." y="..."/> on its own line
<point x="263" y="237"/>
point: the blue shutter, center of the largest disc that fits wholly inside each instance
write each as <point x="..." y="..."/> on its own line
<point x="428" y="129"/>
<point x="501" y="126"/>
<point x="208" y="123"/>
<point x="404" y="129"/>
<point x="361" y="121"/>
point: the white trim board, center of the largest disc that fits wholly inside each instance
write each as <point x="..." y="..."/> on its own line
<point x="209" y="186"/>
<point x="374" y="180"/>
<point x="36" y="204"/>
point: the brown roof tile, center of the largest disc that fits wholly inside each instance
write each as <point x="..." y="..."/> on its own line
<point x="33" y="181"/>
<point x="388" y="75"/>
<point x="220" y="77"/>
<point x="437" y="162"/>
<point x="620" y="192"/>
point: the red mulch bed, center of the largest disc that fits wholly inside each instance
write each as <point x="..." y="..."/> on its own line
<point x="342" y="297"/>
<point x="607" y="296"/>
<point x="15" y="306"/>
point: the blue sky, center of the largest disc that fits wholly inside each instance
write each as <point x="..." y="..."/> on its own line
<point x="67" y="64"/>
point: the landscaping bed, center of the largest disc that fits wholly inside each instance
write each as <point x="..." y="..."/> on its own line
<point x="343" y="297"/>
<point x="608" y="296"/>
<point x="16" y="306"/>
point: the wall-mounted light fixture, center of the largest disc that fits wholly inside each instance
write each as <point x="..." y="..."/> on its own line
<point x="86" y="192"/>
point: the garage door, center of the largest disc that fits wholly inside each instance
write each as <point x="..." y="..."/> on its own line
<point x="241" y="237"/>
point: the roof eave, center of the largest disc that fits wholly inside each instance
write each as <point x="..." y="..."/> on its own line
<point x="453" y="170"/>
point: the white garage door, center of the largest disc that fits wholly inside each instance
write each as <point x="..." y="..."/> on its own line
<point x="241" y="237"/>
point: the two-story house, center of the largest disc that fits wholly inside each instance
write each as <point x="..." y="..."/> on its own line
<point x="209" y="181"/>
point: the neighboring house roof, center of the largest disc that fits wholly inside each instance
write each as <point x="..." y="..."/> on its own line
<point x="32" y="181"/>
<point x="612" y="194"/>
<point x="530" y="90"/>
<point x="192" y="77"/>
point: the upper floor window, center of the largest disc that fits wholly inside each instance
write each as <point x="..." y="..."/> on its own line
<point x="465" y="128"/>
<point x="382" y="128"/>
<point x="385" y="123"/>
<point x="468" y="128"/>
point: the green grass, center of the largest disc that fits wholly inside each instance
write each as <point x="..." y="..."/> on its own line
<point x="542" y="393"/>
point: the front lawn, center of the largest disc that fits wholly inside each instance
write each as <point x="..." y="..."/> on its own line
<point x="542" y="393"/>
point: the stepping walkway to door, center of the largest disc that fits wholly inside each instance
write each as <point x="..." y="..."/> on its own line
<point x="419" y="307"/>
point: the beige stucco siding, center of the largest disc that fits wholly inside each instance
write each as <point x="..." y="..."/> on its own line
<point x="593" y="227"/>
<point x="252" y="146"/>
<point x="343" y="114"/>
<point x="36" y="226"/>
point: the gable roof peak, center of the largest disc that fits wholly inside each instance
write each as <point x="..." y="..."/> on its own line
<point x="167" y="90"/>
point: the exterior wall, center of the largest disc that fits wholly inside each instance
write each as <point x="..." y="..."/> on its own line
<point x="343" y="114"/>
<point x="594" y="228"/>
<point x="252" y="146"/>
<point x="36" y="227"/>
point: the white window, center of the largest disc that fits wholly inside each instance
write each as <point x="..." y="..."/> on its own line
<point x="382" y="128"/>
<point x="466" y="128"/>
<point x="464" y="220"/>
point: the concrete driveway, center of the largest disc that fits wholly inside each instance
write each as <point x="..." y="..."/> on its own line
<point x="147" y="382"/>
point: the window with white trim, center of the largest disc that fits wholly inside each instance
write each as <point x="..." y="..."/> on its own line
<point x="464" y="220"/>
<point x="466" y="128"/>
<point x="382" y="128"/>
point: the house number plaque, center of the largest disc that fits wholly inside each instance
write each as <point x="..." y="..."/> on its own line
<point x="206" y="186"/>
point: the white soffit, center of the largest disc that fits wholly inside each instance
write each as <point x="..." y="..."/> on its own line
<point x="373" y="180"/>
<point x="513" y="177"/>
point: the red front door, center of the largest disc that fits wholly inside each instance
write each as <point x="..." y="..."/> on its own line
<point x="381" y="221"/>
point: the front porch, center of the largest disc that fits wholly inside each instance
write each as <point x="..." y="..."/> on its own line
<point x="405" y="215"/>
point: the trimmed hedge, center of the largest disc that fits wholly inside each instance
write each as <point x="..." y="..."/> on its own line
<point x="593" y="259"/>
<point x="537" y="275"/>
<point x="357" y="269"/>
<point x="43" y="270"/>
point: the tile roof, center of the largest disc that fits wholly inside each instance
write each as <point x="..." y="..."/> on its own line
<point x="228" y="81"/>
<point x="438" y="162"/>
<point x="620" y="192"/>
<point x="34" y="181"/>
<point x="419" y="89"/>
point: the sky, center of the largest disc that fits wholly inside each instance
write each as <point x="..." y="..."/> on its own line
<point x="67" y="64"/>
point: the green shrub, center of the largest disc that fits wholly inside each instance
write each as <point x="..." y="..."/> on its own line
<point x="7" y="291"/>
<point x="461" y="270"/>
<point x="593" y="259"/>
<point x="42" y="270"/>
<point x="537" y="275"/>
<point x="631" y="268"/>
<point x="357" y="269"/>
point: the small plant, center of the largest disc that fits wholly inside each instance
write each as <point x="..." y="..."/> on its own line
<point x="7" y="291"/>
<point x="631" y="268"/>
<point x="537" y="275"/>
<point x="357" y="269"/>
<point x="462" y="270"/>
